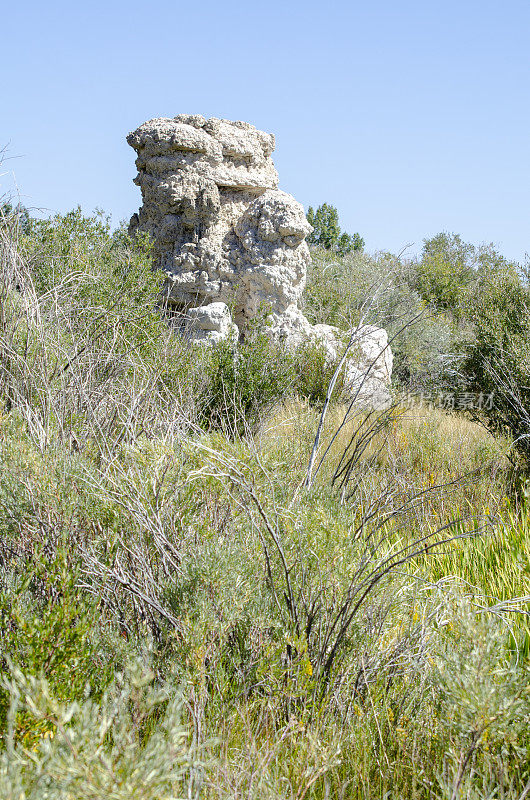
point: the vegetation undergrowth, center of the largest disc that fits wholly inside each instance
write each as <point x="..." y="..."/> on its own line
<point x="182" y="613"/>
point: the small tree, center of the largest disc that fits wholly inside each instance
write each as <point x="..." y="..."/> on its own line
<point x="327" y="232"/>
<point x="348" y="243"/>
<point x="445" y="270"/>
<point x="452" y="273"/>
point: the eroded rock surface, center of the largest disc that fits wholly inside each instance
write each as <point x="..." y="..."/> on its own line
<point x="225" y="235"/>
<point x="222" y="230"/>
<point x="368" y="369"/>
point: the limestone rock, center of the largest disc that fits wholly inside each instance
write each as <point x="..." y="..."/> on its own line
<point x="368" y="370"/>
<point x="368" y="364"/>
<point x="222" y="231"/>
<point x="211" y="323"/>
<point x="224" y="234"/>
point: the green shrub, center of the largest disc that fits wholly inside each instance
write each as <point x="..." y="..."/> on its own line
<point x="451" y="272"/>
<point x="314" y="370"/>
<point x="104" y="282"/>
<point x="445" y="271"/>
<point x="48" y="628"/>
<point x="245" y="379"/>
<point x="85" y="354"/>
<point x="342" y="291"/>
<point x="131" y="743"/>
<point x="497" y="360"/>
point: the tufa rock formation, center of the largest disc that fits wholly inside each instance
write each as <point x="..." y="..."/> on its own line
<point x="225" y="235"/>
<point x="222" y="230"/>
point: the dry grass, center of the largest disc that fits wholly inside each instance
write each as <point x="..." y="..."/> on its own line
<point x="419" y="449"/>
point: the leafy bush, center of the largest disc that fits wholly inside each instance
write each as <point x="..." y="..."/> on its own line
<point x="47" y="627"/>
<point x="314" y="370"/>
<point x="451" y="272"/>
<point x="445" y="271"/>
<point x="245" y="379"/>
<point x="131" y="743"/>
<point x="99" y="277"/>
<point x="497" y="361"/>
<point x="342" y="291"/>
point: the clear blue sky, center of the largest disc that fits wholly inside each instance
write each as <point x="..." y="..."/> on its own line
<point x="411" y="116"/>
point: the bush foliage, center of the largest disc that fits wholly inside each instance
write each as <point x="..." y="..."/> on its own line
<point x="183" y="614"/>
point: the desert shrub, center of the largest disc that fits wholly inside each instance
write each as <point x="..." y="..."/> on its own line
<point x="497" y="360"/>
<point x="48" y="627"/>
<point x="99" y="748"/>
<point x="338" y="286"/>
<point x="484" y="697"/>
<point x="445" y="271"/>
<point x="426" y="354"/>
<point x="314" y="370"/>
<point x="378" y="290"/>
<point x="87" y="357"/>
<point x="450" y="272"/>
<point x="427" y="304"/>
<point x="245" y="379"/>
<point x="104" y="282"/>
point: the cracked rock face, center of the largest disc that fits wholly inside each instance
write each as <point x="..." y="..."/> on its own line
<point x="222" y="230"/>
<point x="225" y="235"/>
